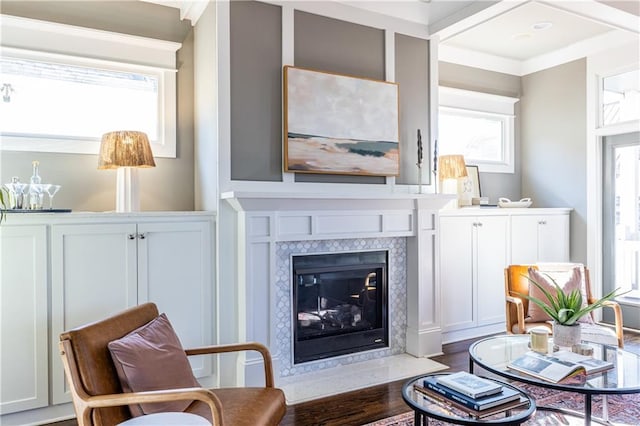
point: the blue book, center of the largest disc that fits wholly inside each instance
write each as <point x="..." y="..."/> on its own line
<point x="506" y="395"/>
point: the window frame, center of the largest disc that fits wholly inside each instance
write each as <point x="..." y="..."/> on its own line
<point x="77" y="46"/>
<point x="473" y="104"/>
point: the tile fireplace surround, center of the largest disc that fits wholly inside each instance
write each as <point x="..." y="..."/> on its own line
<point x="269" y="228"/>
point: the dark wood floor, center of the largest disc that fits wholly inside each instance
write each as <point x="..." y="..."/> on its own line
<point x="377" y="402"/>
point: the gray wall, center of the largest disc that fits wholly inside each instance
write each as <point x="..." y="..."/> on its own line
<point x="412" y="75"/>
<point x="324" y="44"/>
<point x="256" y="91"/>
<point x="553" y="111"/>
<point x="492" y="185"/>
<point x="169" y="186"/>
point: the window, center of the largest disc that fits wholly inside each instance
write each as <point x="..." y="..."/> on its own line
<point x="59" y="102"/>
<point x="478" y="126"/>
<point x="621" y="98"/>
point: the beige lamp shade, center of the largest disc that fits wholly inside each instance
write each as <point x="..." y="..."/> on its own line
<point x="125" y="148"/>
<point x="451" y="167"/>
<point x="126" y="151"/>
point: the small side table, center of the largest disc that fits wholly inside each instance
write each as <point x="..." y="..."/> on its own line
<point x="425" y="407"/>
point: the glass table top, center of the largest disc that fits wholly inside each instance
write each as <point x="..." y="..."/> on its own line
<point x="495" y="353"/>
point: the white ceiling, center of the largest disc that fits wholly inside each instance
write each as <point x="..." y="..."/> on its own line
<point x="503" y="38"/>
<point x="512" y="35"/>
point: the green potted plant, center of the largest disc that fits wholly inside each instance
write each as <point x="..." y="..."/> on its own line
<point x="565" y="309"/>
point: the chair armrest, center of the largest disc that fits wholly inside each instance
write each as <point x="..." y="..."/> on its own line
<point x="519" y="311"/>
<point x="238" y="347"/>
<point x="617" y="311"/>
<point x="200" y="394"/>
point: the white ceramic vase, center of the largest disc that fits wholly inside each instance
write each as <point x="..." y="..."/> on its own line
<point x="566" y="335"/>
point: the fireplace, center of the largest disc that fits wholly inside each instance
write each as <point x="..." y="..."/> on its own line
<point x="340" y="304"/>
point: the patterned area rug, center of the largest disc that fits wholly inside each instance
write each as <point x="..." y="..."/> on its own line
<point x="623" y="409"/>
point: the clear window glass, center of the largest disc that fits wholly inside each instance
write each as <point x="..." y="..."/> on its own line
<point x="476" y="136"/>
<point x="621" y="98"/>
<point x="52" y="100"/>
<point x="61" y="103"/>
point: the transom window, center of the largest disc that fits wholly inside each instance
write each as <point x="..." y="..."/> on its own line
<point x="478" y="126"/>
<point x="621" y="98"/>
<point x="54" y="101"/>
<point x="62" y="101"/>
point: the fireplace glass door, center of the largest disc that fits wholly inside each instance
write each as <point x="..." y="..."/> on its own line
<point x="340" y="304"/>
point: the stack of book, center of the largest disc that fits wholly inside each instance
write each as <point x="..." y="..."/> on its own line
<point x="472" y="394"/>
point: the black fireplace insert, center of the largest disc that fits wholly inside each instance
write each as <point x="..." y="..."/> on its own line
<point x="340" y="304"/>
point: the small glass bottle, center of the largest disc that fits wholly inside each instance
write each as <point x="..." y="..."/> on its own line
<point x="36" y="194"/>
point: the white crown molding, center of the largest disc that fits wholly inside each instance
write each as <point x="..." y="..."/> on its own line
<point x="50" y="37"/>
<point x="481" y="60"/>
<point x="193" y="10"/>
<point x="10" y="22"/>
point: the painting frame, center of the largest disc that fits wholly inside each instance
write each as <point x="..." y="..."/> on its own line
<point x="473" y="175"/>
<point x="340" y="124"/>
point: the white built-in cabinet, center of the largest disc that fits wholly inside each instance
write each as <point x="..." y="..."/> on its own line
<point x="476" y="244"/>
<point x="86" y="267"/>
<point x="539" y="238"/>
<point x="473" y="253"/>
<point x="23" y="318"/>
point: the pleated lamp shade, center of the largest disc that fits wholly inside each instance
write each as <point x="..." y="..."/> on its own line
<point x="126" y="151"/>
<point x="125" y="148"/>
<point x="451" y="167"/>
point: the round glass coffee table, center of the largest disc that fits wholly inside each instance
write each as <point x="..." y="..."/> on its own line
<point x="426" y="406"/>
<point x="495" y="353"/>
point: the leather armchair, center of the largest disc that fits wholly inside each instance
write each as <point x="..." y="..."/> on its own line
<point x="98" y="399"/>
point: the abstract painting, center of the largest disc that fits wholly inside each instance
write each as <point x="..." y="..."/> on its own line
<point x="339" y="124"/>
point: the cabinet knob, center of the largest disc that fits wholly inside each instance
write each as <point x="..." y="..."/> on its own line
<point x="131" y="236"/>
<point x="142" y="236"/>
<point x="480" y="224"/>
<point x="542" y="222"/>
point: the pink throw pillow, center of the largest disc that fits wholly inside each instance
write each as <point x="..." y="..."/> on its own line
<point x="151" y="358"/>
<point x="575" y="281"/>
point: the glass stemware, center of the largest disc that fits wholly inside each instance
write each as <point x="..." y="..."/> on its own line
<point x="52" y="190"/>
<point x="18" y="191"/>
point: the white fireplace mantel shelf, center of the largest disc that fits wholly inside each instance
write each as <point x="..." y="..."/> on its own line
<point x="278" y="201"/>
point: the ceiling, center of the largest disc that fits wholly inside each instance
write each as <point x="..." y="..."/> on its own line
<point x="520" y="37"/>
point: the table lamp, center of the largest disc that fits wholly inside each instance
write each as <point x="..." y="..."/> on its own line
<point x="451" y="168"/>
<point x="126" y="151"/>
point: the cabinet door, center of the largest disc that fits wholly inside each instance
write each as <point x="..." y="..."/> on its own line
<point x="490" y="260"/>
<point x="539" y="238"/>
<point x="24" y="379"/>
<point x="174" y="272"/>
<point x="553" y="238"/>
<point x="524" y="239"/>
<point x="93" y="275"/>
<point x="456" y="273"/>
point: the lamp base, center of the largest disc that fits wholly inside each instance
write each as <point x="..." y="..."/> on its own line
<point x="127" y="194"/>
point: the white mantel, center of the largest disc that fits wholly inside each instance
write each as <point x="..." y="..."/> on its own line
<point x="257" y="222"/>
